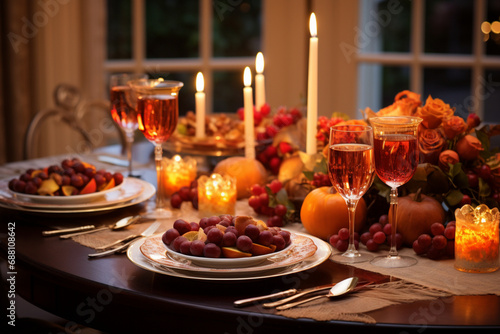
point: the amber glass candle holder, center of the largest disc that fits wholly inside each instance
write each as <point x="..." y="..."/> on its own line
<point x="476" y="239"/>
<point x="216" y="195"/>
<point x="177" y="172"/>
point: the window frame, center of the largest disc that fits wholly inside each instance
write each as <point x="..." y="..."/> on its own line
<point x="478" y="62"/>
<point x="205" y="63"/>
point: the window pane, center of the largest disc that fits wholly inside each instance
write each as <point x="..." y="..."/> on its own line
<point x="385" y="83"/>
<point x="491" y="96"/>
<point x="172" y="29"/>
<point x="228" y="91"/>
<point x="448" y="26"/>
<point x="119" y="30"/>
<point x="186" y="94"/>
<point x="452" y="85"/>
<point x="236" y="28"/>
<point x="492" y="30"/>
<point x="385" y="26"/>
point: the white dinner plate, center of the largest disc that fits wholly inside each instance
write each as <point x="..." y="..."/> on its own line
<point x="284" y="265"/>
<point x="133" y="191"/>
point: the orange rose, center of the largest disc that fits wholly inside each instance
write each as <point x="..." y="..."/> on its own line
<point x="468" y="147"/>
<point x="447" y="157"/>
<point x="454" y="126"/>
<point x="434" y="111"/>
<point x="405" y="104"/>
<point x="430" y="143"/>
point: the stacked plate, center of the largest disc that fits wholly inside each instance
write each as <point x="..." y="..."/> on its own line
<point x="305" y="252"/>
<point x="132" y="191"/>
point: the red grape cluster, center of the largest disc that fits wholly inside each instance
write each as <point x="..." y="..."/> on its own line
<point x="441" y="243"/>
<point x="321" y="180"/>
<point x="223" y="236"/>
<point x="283" y="117"/>
<point x="71" y="172"/>
<point x="185" y="194"/>
<point x="324" y="124"/>
<point x="264" y="201"/>
<point x="379" y="234"/>
<point x="340" y="241"/>
<point x="272" y="156"/>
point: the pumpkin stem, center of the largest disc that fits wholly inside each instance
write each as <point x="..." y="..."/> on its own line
<point x="332" y="190"/>
<point x="418" y="195"/>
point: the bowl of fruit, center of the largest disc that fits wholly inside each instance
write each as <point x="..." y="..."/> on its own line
<point x="225" y="241"/>
<point x="71" y="182"/>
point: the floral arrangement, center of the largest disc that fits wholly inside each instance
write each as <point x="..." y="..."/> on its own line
<point x="457" y="165"/>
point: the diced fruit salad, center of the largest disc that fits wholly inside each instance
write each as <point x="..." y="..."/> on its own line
<point x="72" y="177"/>
<point x="225" y="236"/>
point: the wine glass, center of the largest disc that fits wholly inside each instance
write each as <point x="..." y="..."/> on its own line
<point x="351" y="169"/>
<point x="123" y="111"/>
<point x="157" y="115"/>
<point x="396" y="160"/>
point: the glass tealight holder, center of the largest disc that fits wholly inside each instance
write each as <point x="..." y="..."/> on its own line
<point x="477" y="239"/>
<point x="177" y="172"/>
<point x="216" y="195"/>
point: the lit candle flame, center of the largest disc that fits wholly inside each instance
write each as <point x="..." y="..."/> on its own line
<point x="312" y="25"/>
<point x="259" y="63"/>
<point x="247" y="77"/>
<point x="200" y="83"/>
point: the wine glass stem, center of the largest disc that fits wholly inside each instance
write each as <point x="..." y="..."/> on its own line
<point x="130" y="140"/>
<point x="351" y="207"/>
<point x="160" y="198"/>
<point x="394" y="221"/>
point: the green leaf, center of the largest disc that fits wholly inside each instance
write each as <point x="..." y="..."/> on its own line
<point x="455" y="170"/>
<point x="484" y="139"/>
<point x="309" y="175"/>
<point x="453" y="198"/>
<point x="484" y="188"/>
<point x="281" y="196"/>
<point x="461" y="180"/>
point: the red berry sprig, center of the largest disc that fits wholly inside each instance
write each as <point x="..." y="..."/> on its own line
<point x="441" y="242"/>
<point x="271" y="200"/>
<point x="379" y="234"/>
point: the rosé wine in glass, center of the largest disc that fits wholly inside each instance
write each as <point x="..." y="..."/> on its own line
<point x="351" y="169"/>
<point x="396" y="160"/>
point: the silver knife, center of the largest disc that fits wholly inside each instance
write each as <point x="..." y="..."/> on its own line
<point x="67" y="230"/>
<point x="147" y="232"/>
<point x="294" y="293"/>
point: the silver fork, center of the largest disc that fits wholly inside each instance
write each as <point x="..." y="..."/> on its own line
<point x="147" y="232"/>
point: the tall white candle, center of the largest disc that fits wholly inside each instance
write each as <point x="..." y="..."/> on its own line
<point x="312" y="88"/>
<point x="260" y="86"/>
<point x="248" y="108"/>
<point x="200" y="106"/>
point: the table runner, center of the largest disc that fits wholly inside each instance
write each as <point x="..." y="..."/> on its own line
<point x="427" y="280"/>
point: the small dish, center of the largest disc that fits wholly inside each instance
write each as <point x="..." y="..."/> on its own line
<point x="58" y="200"/>
<point x="224" y="262"/>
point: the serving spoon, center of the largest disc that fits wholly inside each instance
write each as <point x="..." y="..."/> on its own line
<point x="122" y="223"/>
<point x="338" y="289"/>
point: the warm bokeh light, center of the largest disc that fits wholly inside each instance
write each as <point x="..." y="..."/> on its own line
<point x="312" y="25"/>
<point x="259" y="63"/>
<point x="200" y="82"/>
<point x="485" y="27"/>
<point x="247" y="77"/>
<point x="495" y="27"/>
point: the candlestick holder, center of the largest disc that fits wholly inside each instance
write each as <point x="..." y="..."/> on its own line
<point x="216" y="195"/>
<point x="477" y="239"/>
<point x="177" y="173"/>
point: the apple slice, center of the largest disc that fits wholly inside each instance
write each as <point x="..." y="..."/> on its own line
<point x="108" y="185"/>
<point x="69" y="190"/>
<point x="48" y="187"/>
<point x="232" y="252"/>
<point x="89" y="188"/>
<point x="241" y="222"/>
<point x="258" y="249"/>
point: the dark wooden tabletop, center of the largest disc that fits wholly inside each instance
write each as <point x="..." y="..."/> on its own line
<point x="114" y="295"/>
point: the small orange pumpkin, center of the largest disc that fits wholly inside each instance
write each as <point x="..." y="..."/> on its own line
<point x="324" y="212"/>
<point x="416" y="213"/>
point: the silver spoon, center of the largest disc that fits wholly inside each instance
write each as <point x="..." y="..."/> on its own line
<point x="338" y="289"/>
<point x="122" y="223"/>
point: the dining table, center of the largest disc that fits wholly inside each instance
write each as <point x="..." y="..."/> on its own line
<point x="126" y="293"/>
